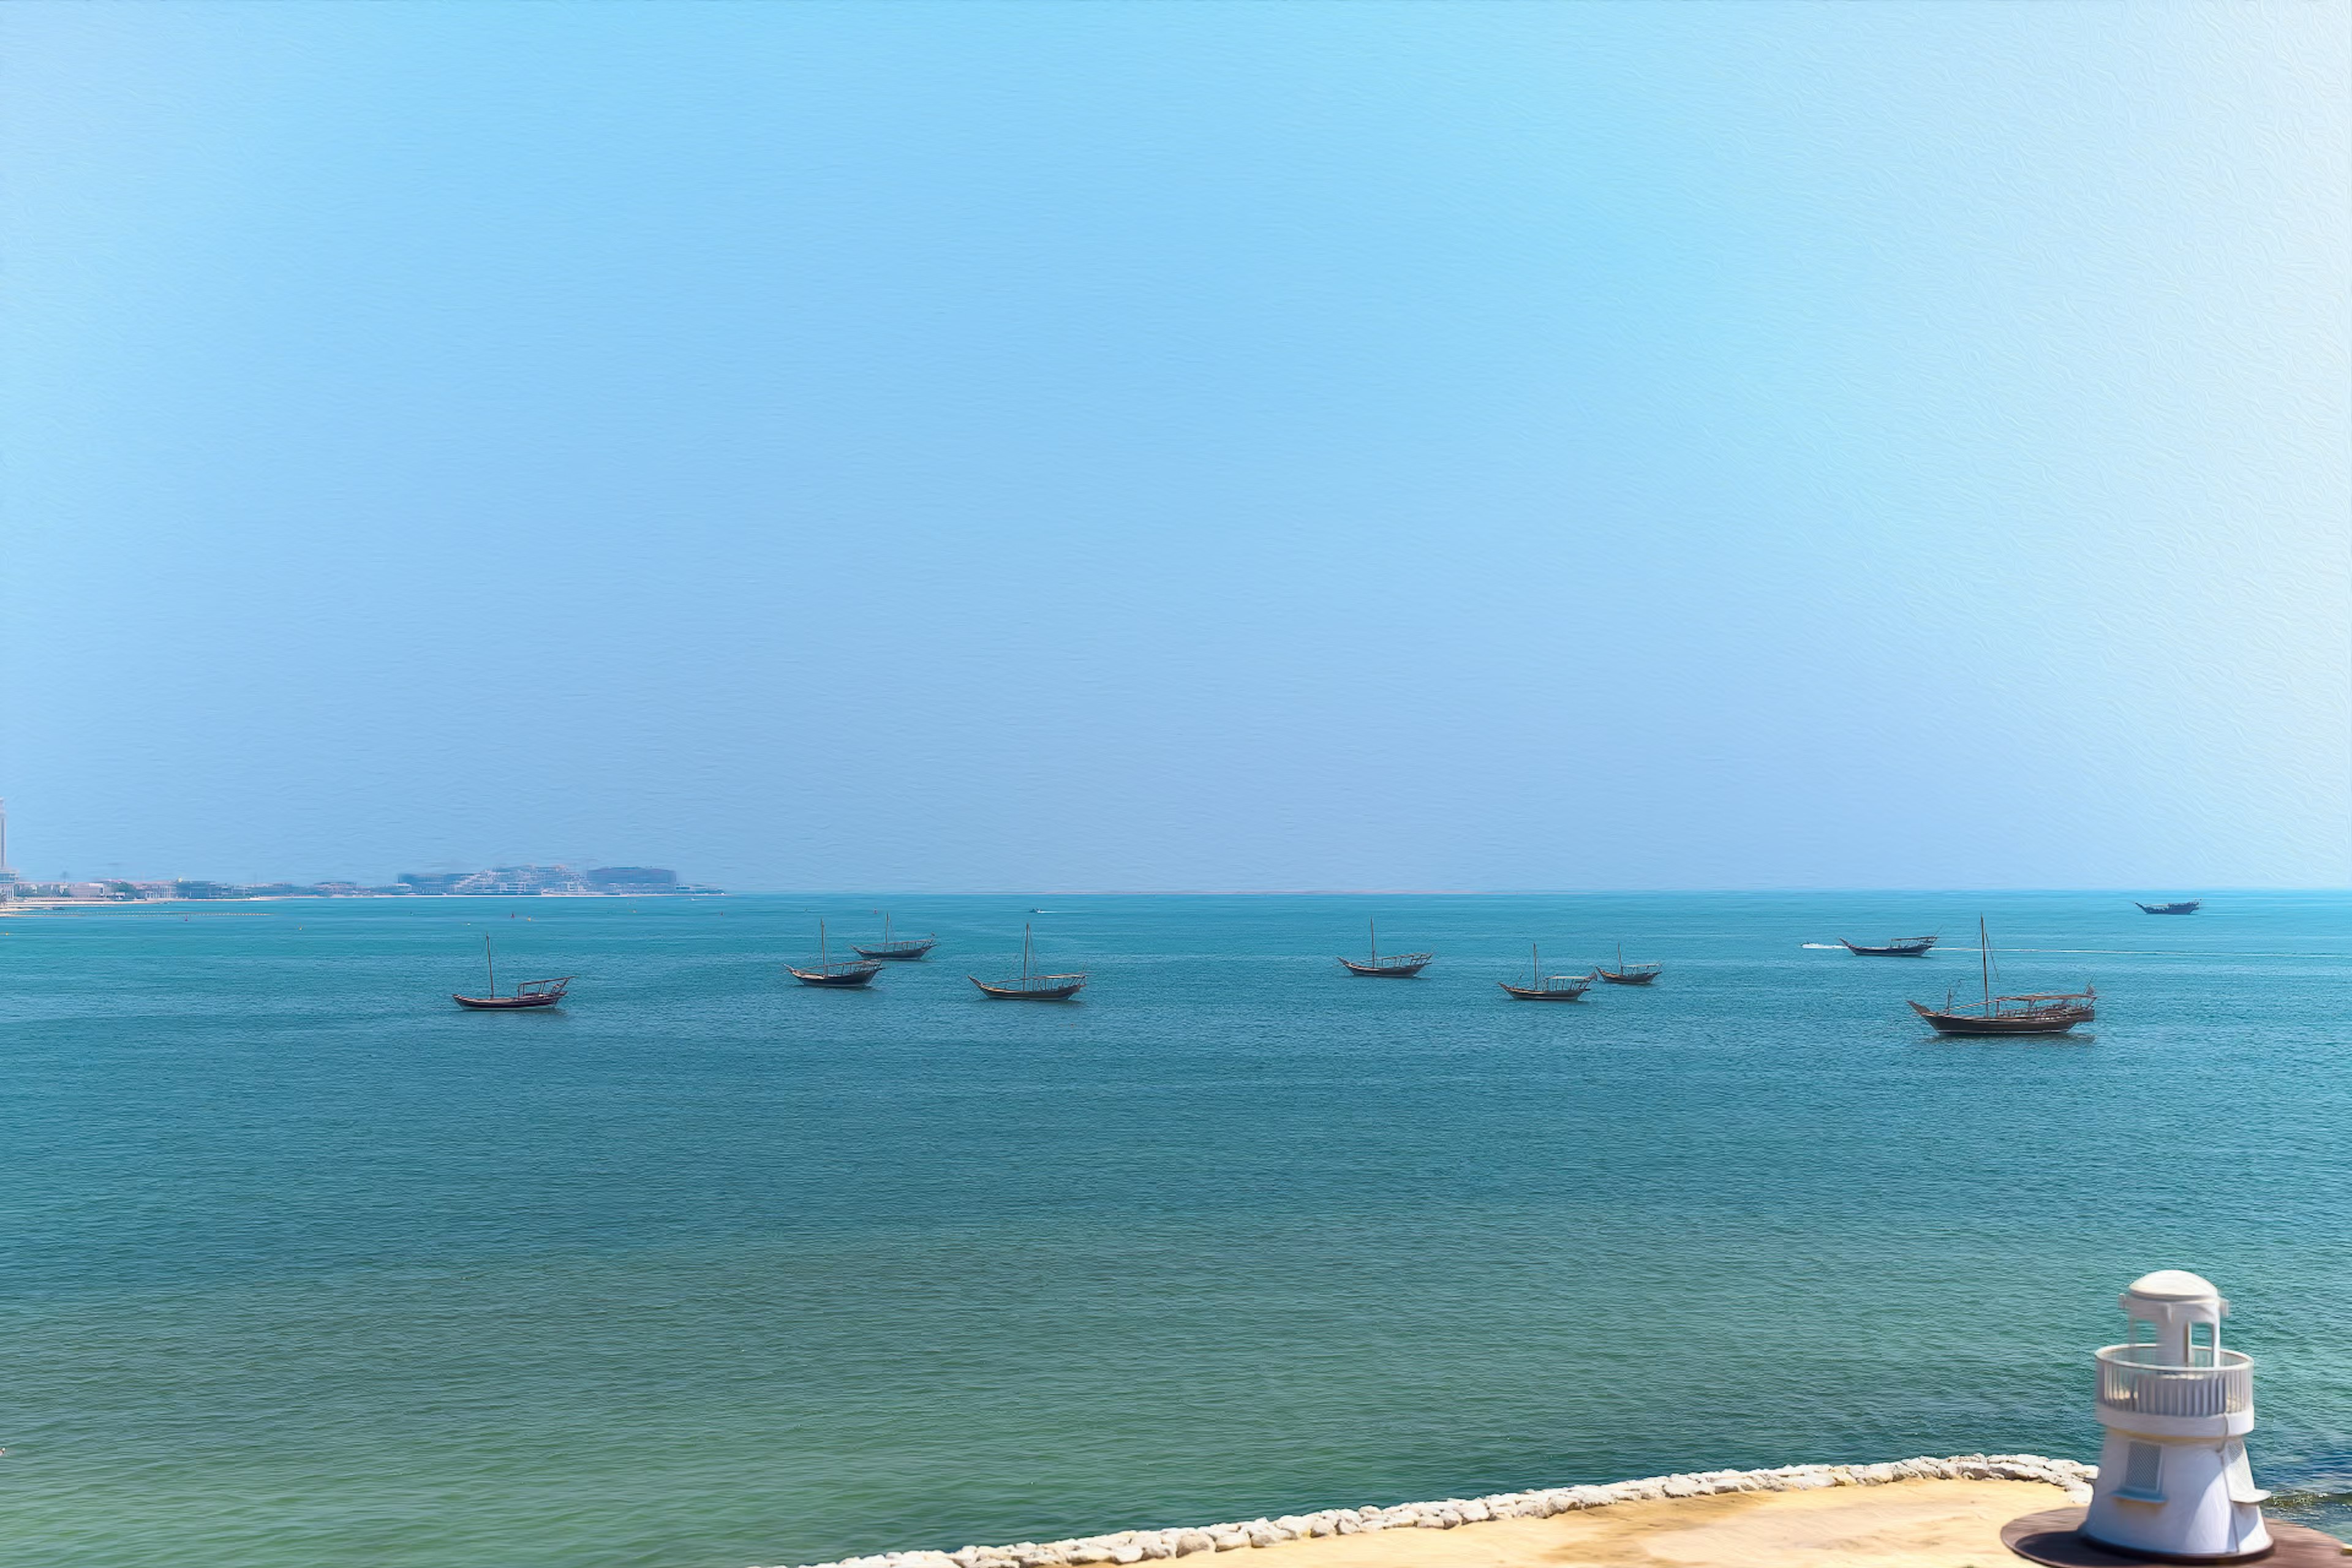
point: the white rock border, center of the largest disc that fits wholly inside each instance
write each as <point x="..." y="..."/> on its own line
<point x="1149" y="1545"/>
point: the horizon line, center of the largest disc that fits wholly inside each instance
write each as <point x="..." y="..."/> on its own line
<point x="2122" y="891"/>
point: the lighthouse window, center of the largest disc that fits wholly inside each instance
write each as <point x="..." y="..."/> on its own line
<point x="2143" y="1464"/>
<point x="2200" y="1342"/>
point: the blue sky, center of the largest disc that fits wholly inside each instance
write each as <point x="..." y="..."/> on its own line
<point x="1197" y="446"/>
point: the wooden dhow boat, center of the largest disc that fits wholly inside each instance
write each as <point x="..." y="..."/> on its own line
<point x="896" y="949"/>
<point x="1396" y="966"/>
<point x="842" y="976"/>
<point x="2185" y="906"/>
<point x="529" y="993"/>
<point x="1031" y="986"/>
<point x="1629" y="973"/>
<point x="1900" y="947"/>
<point x="1542" y="987"/>
<point x="2035" y="1012"/>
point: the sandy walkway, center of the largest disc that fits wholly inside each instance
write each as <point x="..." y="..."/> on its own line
<point x="1909" y="1524"/>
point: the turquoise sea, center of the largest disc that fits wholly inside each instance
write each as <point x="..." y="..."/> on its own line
<point x="301" y="1264"/>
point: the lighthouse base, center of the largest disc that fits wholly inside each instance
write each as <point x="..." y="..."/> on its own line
<point x="2055" y="1538"/>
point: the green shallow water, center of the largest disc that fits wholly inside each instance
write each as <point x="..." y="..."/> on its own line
<point x="303" y="1265"/>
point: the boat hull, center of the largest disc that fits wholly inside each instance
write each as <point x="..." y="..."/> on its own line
<point x="2054" y="1021"/>
<point x="1055" y="993"/>
<point x="895" y="954"/>
<point x="1539" y="993"/>
<point x="1892" y="949"/>
<point x="1636" y="977"/>
<point x="2188" y="908"/>
<point x="504" y="1003"/>
<point x="843" y="978"/>
<point x="1403" y="970"/>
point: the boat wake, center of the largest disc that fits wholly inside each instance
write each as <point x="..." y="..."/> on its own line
<point x="1826" y="946"/>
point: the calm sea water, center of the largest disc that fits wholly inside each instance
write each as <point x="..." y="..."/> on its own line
<point x="301" y="1264"/>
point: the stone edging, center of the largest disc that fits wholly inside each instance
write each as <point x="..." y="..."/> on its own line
<point x="1145" y="1545"/>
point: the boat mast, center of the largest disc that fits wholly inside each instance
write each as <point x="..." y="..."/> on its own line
<point x="1373" y="926"/>
<point x="1984" y="954"/>
<point x="1024" y="952"/>
<point x="489" y="964"/>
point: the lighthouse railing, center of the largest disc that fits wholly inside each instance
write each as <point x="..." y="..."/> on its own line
<point x="2137" y="1379"/>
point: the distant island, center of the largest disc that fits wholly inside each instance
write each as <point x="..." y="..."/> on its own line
<point x="499" y="881"/>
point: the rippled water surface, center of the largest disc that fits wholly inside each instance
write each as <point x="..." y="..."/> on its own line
<point x="301" y="1264"/>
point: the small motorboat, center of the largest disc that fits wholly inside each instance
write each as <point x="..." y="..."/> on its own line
<point x="2185" y="906"/>
<point x="1031" y="986"/>
<point x="1396" y="966"/>
<point x="1542" y="987"/>
<point x="848" y="972"/>
<point x="529" y="993"/>
<point x="1629" y="973"/>
<point x="894" y="949"/>
<point x="1901" y="947"/>
<point x="2035" y="1012"/>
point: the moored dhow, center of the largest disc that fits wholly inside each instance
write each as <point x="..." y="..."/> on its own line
<point x="2183" y="907"/>
<point x="529" y="993"/>
<point x="2034" y="1012"/>
<point x="1396" y="966"/>
<point x="1897" y="947"/>
<point x="896" y="949"/>
<point x="1628" y="973"/>
<point x="849" y="973"/>
<point x="1031" y="985"/>
<point x="1542" y="987"/>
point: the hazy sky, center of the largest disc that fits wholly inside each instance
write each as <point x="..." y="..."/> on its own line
<point x="1188" y="446"/>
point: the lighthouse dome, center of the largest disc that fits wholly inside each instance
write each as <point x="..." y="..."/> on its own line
<point x="2173" y="1285"/>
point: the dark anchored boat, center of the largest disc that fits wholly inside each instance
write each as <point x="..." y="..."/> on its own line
<point x="1900" y="947"/>
<point x="1396" y="966"/>
<point x="1542" y="987"/>
<point x="529" y="993"/>
<point x="896" y="949"/>
<point x="2035" y="1012"/>
<point x="845" y="976"/>
<point x="1629" y="973"/>
<point x="2185" y="906"/>
<point x="1030" y="985"/>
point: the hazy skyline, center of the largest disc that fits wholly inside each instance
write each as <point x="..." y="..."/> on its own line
<point x="1180" y="445"/>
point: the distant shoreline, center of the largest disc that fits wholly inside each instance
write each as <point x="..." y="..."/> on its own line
<point x="54" y="906"/>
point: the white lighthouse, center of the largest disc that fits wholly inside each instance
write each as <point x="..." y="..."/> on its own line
<point x="2173" y="1478"/>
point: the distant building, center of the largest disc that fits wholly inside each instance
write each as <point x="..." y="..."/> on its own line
<point x="638" y="880"/>
<point x="547" y="881"/>
<point x="92" y="890"/>
<point x="524" y="880"/>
